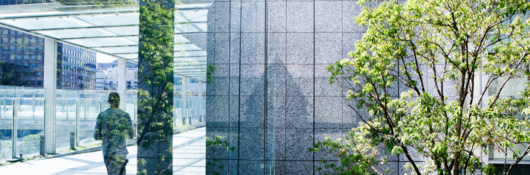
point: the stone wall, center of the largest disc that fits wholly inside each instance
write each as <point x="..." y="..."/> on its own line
<point x="270" y="98"/>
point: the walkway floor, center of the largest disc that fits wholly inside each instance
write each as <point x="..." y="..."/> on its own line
<point x="188" y="158"/>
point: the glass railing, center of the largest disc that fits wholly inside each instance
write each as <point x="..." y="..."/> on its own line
<point x="195" y="111"/>
<point x="195" y="108"/>
<point x="76" y="111"/>
<point x="7" y="95"/>
<point x="27" y="104"/>
<point x="65" y="117"/>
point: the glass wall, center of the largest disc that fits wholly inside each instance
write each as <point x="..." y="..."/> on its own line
<point x="65" y="117"/>
<point x="7" y="95"/>
<point x="19" y="2"/>
<point x="30" y="119"/>
<point x="85" y="104"/>
<point x="178" y="118"/>
<point x="187" y="91"/>
<point x="197" y="101"/>
<point x="130" y="106"/>
<point x="83" y="82"/>
<point x="90" y="104"/>
<point x="27" y="104"/>
<point x="511" y="89"/>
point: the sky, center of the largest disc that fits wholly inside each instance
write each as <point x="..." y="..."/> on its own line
<point x="104" y="58"/>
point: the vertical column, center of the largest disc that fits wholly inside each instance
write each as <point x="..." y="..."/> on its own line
<point x="135" y="120"/>
<point x="33" y="106"/>
<point x="122" y="82"/>
<point x="66" y="106"/>
<point x="201" y="113"/>
<point x="77" y="116"/>
<point x="50" y="78"/>
<point x="15" y="128"/>
<point x="185" y="99"/>
<point x="2" y="105"/>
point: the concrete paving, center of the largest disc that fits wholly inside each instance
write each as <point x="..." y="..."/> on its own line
<point x="189" y="157"/>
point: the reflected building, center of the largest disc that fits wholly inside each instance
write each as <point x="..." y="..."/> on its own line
<point x="111" y="81"/>
<point x="100" y="79"/>
<point x="18" y="2"/>
<point x="132" y="78"/>
<point x="76" y="68"/>
<point x="21" y="59"/>
<point x="107" y="76"/>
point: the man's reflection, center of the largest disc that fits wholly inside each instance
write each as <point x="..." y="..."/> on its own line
<point x="113" y="126"/>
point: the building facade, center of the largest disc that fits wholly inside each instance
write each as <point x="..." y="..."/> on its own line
<point x="21" y="59"/>
<point x="76" y="68"/>
<point x="107" y="76"/>
<point x="18" y="2"/>
<point x="132" y="78"/>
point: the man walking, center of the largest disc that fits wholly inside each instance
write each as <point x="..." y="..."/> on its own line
<point x="113" y="126"/>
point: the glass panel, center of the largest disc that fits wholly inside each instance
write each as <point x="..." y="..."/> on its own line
<point x="177" y="102"/>
<point x="186" y="47"/>
<point x="181" y="39"/>
<point x="7" y="95"/>
<point x="191" y="15"/>
<point x="101" y="42"/>
<point x="94" y="32"/>
<point x="130" y="107"/>
<point x="193" y="6"/>
<point x="134" y="30"/>
<point x="46" y="23"/>
<point x="190" y="28"/>
<point x="127" y="55"/>
<point x="191" y="54"/>
<point x="113" y="50"/>
<point x="194" y="102"/>
<point x="89" y="108"/>
<point x="104" y="98"/>
<point x="76" y="33"/>
<point x="190" y="68"/>
<point x="60" y="11"/>
<point x="30" y="120"/>
<point x="511" y="89"/>
<point x="111" y="19"/>
<point x="65" y="117"/>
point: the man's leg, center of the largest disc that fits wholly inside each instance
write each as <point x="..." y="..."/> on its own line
<point x="109" y="164"/>
<point x="123" y="169"/>
<point x="115" y="166"/>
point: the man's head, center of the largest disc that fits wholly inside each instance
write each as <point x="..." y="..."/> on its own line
<point x="114" y="99"/>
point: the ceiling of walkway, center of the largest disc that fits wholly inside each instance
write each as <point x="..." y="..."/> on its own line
<point x="113" y="31"/>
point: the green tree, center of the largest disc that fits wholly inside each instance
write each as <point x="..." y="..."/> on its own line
<point x="210" y="69"/>
<point x="449" y="45"/>
<point x="155" y="86"/>
<point x="5" y="149"/>
<point x="217" y="147"/>
<point x="31" y="144"/>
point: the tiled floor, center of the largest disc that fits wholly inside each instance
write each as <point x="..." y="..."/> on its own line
<point x="188" y="158"/>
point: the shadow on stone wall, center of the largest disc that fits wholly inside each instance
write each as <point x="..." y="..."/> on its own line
<point x="247" y="103"/>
